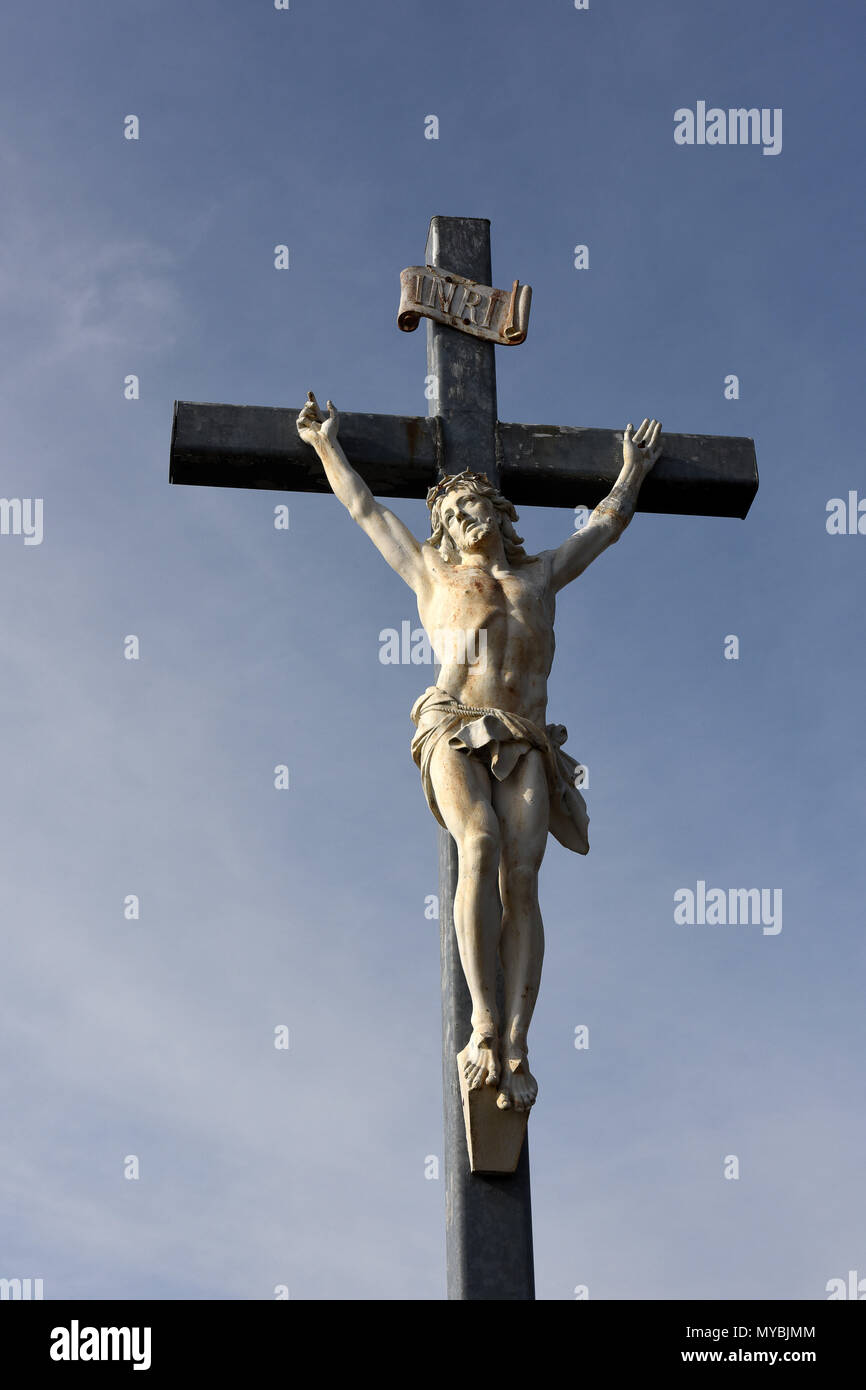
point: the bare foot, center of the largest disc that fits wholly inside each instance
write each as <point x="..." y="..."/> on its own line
<point x="519" y="1087"/>
<point x="481" y="1063"/>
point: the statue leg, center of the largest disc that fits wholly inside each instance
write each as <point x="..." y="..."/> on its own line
<point x="522" y="806"/>
<point x="463" y="795"/>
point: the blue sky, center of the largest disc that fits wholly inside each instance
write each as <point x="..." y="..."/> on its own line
<point x="305" y="908"/>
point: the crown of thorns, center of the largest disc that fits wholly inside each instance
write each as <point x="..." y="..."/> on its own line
<point x="452" y="480"/>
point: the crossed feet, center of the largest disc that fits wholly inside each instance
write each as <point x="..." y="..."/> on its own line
<point x="489" y="1063"/>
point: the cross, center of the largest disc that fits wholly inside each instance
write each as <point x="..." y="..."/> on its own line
<point x="488" y="1218"/>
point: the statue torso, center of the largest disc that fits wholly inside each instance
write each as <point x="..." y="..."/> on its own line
<point x="495" y="631"/>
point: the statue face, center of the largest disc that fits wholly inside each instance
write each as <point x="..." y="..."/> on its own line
<point x="468" y="518"/>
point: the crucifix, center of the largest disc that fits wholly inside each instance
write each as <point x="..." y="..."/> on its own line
<point x="494" y="772"/>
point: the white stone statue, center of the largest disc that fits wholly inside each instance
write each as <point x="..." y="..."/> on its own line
<point x="493" y="771"/>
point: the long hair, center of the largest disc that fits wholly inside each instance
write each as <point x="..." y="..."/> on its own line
<point x="505" y="516"/>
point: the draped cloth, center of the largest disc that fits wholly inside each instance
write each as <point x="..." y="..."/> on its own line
<point x="501" y="738"/>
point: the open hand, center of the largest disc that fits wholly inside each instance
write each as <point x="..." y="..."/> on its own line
<point x="642" y="444"/>
<point x="312" y="428"/>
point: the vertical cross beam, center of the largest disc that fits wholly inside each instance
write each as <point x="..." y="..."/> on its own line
<point x="488" y="1220"/>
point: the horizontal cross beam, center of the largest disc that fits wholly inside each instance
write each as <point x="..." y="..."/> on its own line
<point x="254" y="446"/>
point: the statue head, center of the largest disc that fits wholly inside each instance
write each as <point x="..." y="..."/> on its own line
<point x="462" y="507"/>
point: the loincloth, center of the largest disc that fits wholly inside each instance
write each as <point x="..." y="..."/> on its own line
<point x="502" y="738"/>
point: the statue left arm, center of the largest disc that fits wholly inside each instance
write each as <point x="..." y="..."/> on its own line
<point x="640" y="452"/>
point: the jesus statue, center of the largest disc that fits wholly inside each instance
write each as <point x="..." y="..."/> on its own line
<point x="493" y="771"/>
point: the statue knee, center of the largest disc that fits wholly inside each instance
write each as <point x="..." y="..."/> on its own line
<point x="521" y="880"/>
<point x="479" y="851"/>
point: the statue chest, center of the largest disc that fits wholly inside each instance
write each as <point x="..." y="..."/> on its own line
<point x="473" y="599"/>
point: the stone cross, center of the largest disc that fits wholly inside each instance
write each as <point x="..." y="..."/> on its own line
<point x="488" y="1212"/>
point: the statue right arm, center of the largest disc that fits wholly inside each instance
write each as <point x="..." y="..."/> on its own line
<point x="640" y="451"/>
<point x="392" y="539"/>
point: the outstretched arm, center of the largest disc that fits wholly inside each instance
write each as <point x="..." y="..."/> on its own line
<point x="640" y="451"/>
<point x="387" y="532"/>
